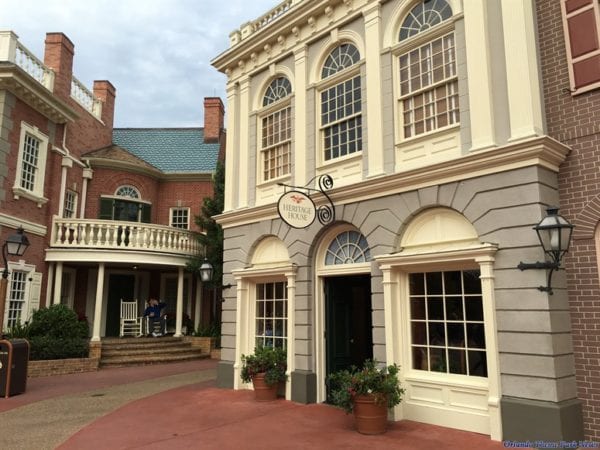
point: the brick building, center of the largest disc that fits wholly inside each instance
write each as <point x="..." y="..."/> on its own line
<point x="109" y="212"/>
<point x="569" y="40"/>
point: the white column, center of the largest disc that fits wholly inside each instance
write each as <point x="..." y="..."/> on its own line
<point x="8" y="46"/>
<point x="522" y="71"/>
<point x="479" y="72"/>
<point x="486" y="266"/>
<point x="300" y="175"/>
<point x="179" y="311"/>
<point x="87" y="176"/>
<point x="392" y="323"/>
<point x="98" y="305"/>
<point x="241" y="336"/>
<point x="243" y="149"/>
<point x="66" y="164"/>
<point x="373" y="68"/>
<point x="49" y="284"/>
<point x="291" y="331"/>
<point x="232" y="178"/>
<point x="57" y="283"/>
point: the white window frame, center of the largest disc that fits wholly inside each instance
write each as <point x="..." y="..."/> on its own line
<point x="274" y="338"/>
<point x="30" y="296"/>
<point x="171" y="217"/>
<point x="406" y="46"/>
<point x="344" y="75"/>
<point x="595" y="7"/>
<point x="37" y="193"/>
<point x="70" y="205"/>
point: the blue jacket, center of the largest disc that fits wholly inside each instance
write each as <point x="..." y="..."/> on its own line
<point x="154" y="309"/>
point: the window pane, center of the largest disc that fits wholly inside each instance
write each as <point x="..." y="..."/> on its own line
<point x="437" y="360"/>
<point x="458" y="361"/>
<point x="434" y="282"/>
<point x="437" y="334"/>
<point x="476" y="335"/>
<point x="419" y="333"/>
<point x="452" y="283"/>
<point x="477" y="364"/>
<point x="435" y="308"/>
<point x="474" y="308"/>
<point x="456" y="335"/>
<point x="417" y="308"/>
<point x="454" y="309"/>
<point x="472" y="282"/>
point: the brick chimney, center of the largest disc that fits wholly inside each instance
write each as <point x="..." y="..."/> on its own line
<point x="58" y="55"/>
<point x="105" y="91"/>
<point x="214" y="119"/>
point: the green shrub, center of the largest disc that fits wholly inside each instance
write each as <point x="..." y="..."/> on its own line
<point x="49" y="347"/>
<point x="57" y="333"/>
<point x="268" y="360"/>
<point x="58" y="321"/>
<point x="212" y="330"/>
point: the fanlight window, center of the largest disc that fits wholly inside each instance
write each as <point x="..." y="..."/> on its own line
<point x="340" y="58"/>
<point x="127" y="191"/>
<point x="348" y="247"/>
<point x="278" y="89"/>
<point x="424" y="16"/>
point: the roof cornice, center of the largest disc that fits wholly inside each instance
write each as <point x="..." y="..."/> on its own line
<point x="29" y="90"/>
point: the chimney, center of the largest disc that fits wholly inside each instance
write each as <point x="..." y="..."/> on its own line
<point x="105" y="91"/>
<point x="58" y="55"/>
<point x="214" y="117"/>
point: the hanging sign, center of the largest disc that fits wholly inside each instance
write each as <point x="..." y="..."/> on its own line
<point x="296" y="209"/>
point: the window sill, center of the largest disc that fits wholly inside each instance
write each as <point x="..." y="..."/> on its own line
<point x="274" y="181"/>
<point x="341" y="160"/>
<point x="426" y="136"/>
<point x="20" y="192"/>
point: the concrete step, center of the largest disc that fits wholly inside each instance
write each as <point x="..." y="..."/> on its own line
<point x="122" y="361"/>
<point x="156" y="343"/>
<point x="147" y="350"/>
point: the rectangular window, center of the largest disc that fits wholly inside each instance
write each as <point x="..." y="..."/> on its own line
<point x="16" y="300"/>
<point x="276" y="143"/>
<point x="581" y="24"/>
<point x="446" y="323"/>
<point x="271" y="314"/>
<point x="341" y="119"/>
<point x="30" y="162"/>
<point x="429" y="87"/>
<point x="180" y="218"/>
<point x="70" y="204"/>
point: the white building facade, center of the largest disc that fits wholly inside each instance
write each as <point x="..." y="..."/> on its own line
<point x="428" y="118"/>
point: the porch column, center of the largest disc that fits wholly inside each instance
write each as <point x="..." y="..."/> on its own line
<point x="49" y="284"/>
<point x="87" y="175"/>
<point x="57" y="283"/>
<point x="179" y="312"/>
<point x="98" y="306"/>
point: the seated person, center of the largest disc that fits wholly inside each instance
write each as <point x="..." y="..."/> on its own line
<point x="154" y="314"/>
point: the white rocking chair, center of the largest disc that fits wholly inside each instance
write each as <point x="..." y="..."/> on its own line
<point x="131" y="322"/>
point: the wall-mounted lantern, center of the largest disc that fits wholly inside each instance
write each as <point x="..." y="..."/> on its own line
<point x="15" y="245"/>
<point x="207" y="271"/>
<point x="554" y="233"/>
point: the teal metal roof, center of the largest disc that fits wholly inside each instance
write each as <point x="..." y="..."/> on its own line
<point x="171" y="150"/>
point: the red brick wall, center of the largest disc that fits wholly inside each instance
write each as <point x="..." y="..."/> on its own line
<point x="574" y="120"/>
<point x="182" y="194"/>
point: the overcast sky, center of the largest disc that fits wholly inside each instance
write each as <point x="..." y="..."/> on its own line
<point x="156" y="53"/>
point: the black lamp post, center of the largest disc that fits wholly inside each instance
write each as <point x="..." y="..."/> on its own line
<point x="15" y="245"/>
<point x="554" y="233"/>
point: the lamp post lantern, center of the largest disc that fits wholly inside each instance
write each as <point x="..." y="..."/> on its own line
<point x="15" y="245"/>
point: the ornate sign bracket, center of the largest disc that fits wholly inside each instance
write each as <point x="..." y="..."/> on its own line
<point x="325" y="213"/>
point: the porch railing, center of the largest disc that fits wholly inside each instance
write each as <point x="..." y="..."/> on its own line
<point x="108" y="234"/>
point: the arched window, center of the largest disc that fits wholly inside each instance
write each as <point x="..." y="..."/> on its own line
<point x="276" y="131"/>
<point x="341" y="120"/>
<point x="348" y="247"/>
<point x="428" y="77"/>
<point x="127" y="191"/>
<point x="424" y="16"/>
<point x="279" y="88"/>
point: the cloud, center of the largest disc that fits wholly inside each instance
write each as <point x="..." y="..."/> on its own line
<point x="156" y="53"/>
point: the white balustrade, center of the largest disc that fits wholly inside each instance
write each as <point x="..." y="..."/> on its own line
<point x="85" y="97"/>
<point x="113" y="235"/>
<point x="13" y="51"/>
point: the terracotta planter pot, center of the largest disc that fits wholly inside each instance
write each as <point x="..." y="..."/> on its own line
<point x="369" y="417"/>
<point x="262" y="391"/>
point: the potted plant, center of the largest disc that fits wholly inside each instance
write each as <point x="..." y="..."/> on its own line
<point x="266" y="369"/>
<point x="367" y="393"/>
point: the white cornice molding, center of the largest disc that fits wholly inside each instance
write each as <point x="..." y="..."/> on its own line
<point x="26" y="88"/>
<point x="540" y="151"/>
<point x="29" y="227"/>
<point x="115" y="256"/>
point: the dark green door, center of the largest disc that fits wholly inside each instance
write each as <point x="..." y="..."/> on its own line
<point x="348" y="333"/>
<point x="119" y="287"/>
